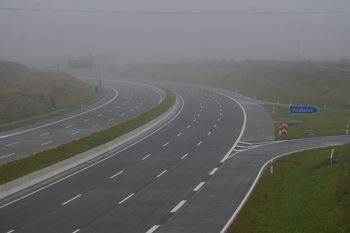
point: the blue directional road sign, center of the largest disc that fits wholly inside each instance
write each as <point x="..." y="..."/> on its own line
<point x="308" y="110"/>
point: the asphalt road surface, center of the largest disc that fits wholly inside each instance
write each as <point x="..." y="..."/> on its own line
<point x="190" y="175"/>
<point x="123" y="101"/>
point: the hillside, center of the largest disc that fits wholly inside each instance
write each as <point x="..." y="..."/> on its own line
<point x="26" y="92"/>
<point x="299" y="82"/>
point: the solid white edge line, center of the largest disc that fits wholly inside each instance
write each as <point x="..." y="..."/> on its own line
<point x="213" y="171"/>
<point x="72" y="199"/>
<point x="126" y="198"/>
<point x="242" y="130"/>
<point x="229" y="222"/>
<point x="98" y="162"/>
<point x="8" y="135"/>
<point x="152" y="229"/>
<point x="178" y="206"/>
<point x="116" y="174"/>
<point x="198" y="186"/>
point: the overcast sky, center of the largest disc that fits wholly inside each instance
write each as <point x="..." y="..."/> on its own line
<point x="51" y="31"/>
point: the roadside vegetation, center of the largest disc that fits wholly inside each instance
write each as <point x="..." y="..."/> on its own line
<point x="26" y="92"/>
<point x="304" y="194"/>
<point x="21" y="167"/>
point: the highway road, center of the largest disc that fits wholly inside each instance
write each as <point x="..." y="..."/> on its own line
<point x="190" y="175"/>
<point x="123" y="101"/>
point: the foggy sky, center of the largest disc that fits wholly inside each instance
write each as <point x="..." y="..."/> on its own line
<point x="173" y="30"/>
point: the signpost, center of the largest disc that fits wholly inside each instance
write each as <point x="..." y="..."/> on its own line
<point x="303" y="110"/>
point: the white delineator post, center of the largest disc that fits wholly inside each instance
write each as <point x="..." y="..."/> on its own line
<point x="331" y="162"/>
<point x="271" y="168"/>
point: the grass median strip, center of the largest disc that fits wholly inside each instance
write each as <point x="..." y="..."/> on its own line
<point x="24" y="166"/>
<point x="304" y="194"/>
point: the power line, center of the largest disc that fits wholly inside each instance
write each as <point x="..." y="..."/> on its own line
<point x="176" y="12"/>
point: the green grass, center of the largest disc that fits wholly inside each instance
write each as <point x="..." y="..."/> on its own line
<point x="326" y="122"/>
<point x="88" y="97"/>
<point x="304" y="194"/>
<point x="21" y="167"/>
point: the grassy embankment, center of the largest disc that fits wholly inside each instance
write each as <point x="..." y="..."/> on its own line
<point x="304" y="194"/>
<point x="21" y="167"/>
<point x="26" y="92"/>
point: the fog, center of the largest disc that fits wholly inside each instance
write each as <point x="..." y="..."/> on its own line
<point x="142" y="31"/>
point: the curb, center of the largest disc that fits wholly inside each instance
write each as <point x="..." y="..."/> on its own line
<point x="53" y="170"/>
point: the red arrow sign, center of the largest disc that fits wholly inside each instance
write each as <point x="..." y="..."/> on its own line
<point x="284" y="126"/>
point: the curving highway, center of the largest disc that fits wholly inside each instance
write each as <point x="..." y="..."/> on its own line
<point x="189" y="175"/>
<point x="123" y="101"/>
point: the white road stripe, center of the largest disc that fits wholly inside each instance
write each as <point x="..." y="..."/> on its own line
<point x="179" y="134"/>
<point x="213" y="171"/>
<point x="110" y="110"/>
<point x="178" y="206"/>
<point x="184" y="156"/>
<point x="46" y="143"/>
<point x="122" y="114"/>
<point x="10" y="231"/>
<point x="44" y="134"/>
<point x="7" y="155"/>
<point x="86" y="120"/>
<point x="71" y="199"/>
<point x="126" y="198"/>
<point x="95" y="125"/>
<point x="214" y="126"/>
<point x="146" y="157"/>
<point x="194" y="120"/>
<point x="77" y="230"/>
<point x="12" y="144"/>
<point x="68" y="126"/>
<point x="199" y="143"/>
<point x="198" y="186"/>
<point x="111" y="119"/>
<point x="100" y="115"/>
<point x="208" y="133"/>
<point x="116" y="174"/>
<point x="74" y="133"/>
<point x="166" y="144"/>
<point x="161" y="173"/>
<point x="188" y="126"/>
<point x="152" y="229"/>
